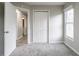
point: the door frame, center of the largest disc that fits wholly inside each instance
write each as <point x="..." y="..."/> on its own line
<point x="48" y="13"/>
<point x="28" y="23"/>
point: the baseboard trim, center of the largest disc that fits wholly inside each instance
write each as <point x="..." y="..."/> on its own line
<point x="50" y="42"/>
<point x="57" y="42"/>
<point x="72" y="48"/>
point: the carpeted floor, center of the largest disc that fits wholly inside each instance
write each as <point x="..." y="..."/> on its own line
<point x="21" y="42"/>
<point x="43" y="50"/>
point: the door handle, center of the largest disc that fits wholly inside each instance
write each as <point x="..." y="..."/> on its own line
<point x="6" y="32"/>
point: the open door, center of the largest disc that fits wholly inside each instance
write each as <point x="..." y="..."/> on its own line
<point x="10" y="33"/>
<point x="1" y="29"/>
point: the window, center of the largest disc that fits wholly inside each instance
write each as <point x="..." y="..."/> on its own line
<point x="69" y="22"/>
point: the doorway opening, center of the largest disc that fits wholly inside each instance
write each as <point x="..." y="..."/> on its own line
<point x="22" y="18"/>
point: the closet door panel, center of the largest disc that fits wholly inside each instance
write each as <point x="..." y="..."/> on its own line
<point x="40" y="27"/>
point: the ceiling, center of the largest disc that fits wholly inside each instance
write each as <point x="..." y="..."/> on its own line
<point x="45" y="3"/>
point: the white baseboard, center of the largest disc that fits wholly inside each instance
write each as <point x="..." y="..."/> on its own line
<point x="72" y="48"/>
<point x="57" y="42"/>
<point x="50" y="42"/>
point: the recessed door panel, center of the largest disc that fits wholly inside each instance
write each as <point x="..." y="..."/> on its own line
<point x="40" y="27"/>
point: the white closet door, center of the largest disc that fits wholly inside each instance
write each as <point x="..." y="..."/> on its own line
<point x="40" y="27"/>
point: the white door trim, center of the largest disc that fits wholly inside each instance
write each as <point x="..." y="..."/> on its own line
<point x="46" y="10"/>
<point x="28" y="24"/>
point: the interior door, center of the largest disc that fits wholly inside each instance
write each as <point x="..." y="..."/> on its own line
<point x="1" y="29"/>
<point x="40" y="27"/>
<point x="9" y="28"/>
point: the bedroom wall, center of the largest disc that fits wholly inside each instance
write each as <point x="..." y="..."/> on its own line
<point x="55" y="22"/>
<point x="74" y="43"/>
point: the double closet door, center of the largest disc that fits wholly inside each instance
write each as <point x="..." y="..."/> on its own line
<point x="40" y="30"/>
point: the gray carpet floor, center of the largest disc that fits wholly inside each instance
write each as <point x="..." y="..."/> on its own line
<point x="43" y="50"/>
<point x="21" y="42"/>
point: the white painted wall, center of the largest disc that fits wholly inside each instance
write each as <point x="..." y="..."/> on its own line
<point x="19" y="24"/>
<point x="10" y="26"/>
<point x="74" y="44"/>
<point x="55" y="22"/>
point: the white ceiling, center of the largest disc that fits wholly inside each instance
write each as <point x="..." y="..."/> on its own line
<point x="45" y="3"/>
